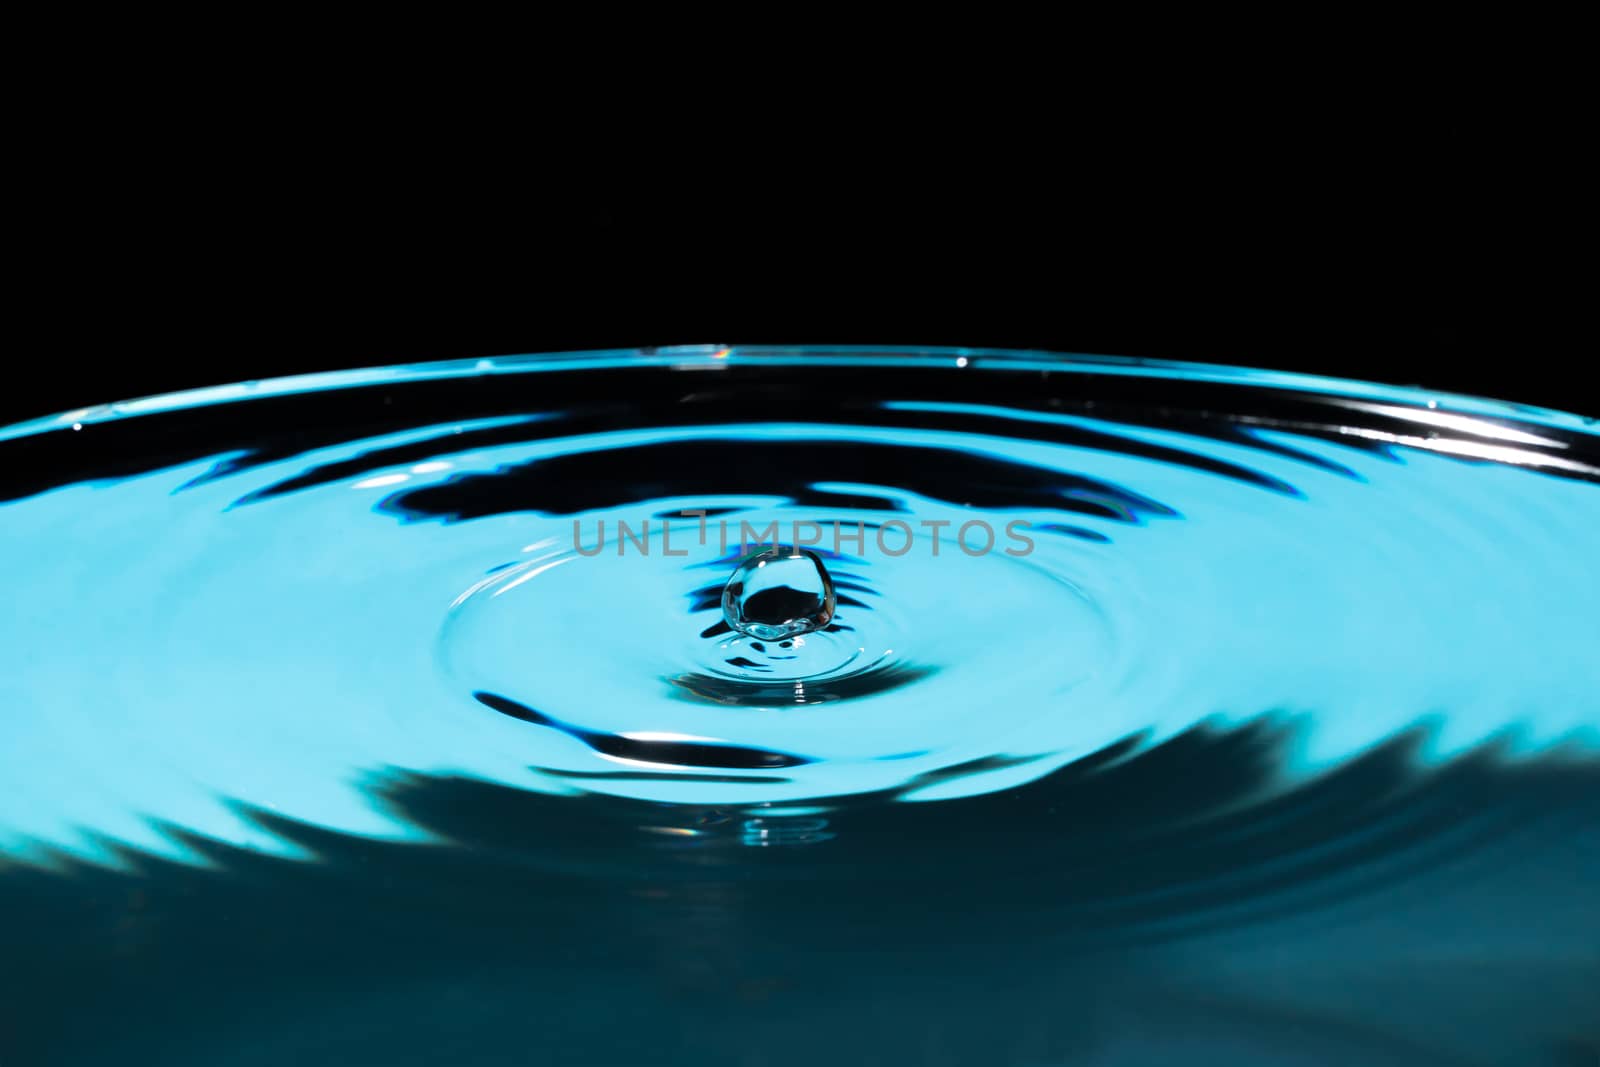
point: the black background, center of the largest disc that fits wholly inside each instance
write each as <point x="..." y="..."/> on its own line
<point x="1433" y="248"/>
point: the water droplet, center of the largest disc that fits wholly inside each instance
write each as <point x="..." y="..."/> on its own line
<point x="779" y="593"/>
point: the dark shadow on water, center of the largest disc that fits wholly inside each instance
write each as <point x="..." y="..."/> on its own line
<point x="1058" y="922"/>
<point x="668" y="753"/>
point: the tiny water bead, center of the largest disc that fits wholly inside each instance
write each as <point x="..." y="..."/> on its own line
<point x="779" y="593"/>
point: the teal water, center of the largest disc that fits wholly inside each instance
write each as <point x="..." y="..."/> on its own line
<point x="1060" y="711"/>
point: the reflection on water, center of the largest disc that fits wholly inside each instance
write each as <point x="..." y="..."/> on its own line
<point x="1121" y="911"/>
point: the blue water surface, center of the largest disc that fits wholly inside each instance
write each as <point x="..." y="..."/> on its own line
<point x="394" y="716"/>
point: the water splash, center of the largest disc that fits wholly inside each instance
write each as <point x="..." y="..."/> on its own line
<point x="779" y="594"/>
<point x="1085" y="658"/>
<point x="1019" y="571"/>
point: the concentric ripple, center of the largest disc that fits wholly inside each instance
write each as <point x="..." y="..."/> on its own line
<point x="265" y="599"/>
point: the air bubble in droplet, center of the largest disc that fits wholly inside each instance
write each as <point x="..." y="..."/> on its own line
<point x="779" y="593"/>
